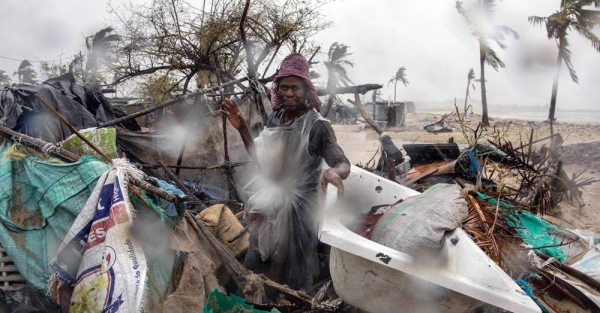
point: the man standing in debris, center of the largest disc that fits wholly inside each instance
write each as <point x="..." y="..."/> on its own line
<point x="290" y="150"/>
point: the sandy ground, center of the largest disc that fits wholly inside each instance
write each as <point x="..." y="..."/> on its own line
<point x="581" y="152"/>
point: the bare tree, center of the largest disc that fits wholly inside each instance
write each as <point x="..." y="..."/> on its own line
<point x="192" y="45"/>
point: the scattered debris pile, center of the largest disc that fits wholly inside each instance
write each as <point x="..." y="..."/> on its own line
<point x="507" y="187"/>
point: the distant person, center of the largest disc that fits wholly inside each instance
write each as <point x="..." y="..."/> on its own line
<point x="290" y="150"/>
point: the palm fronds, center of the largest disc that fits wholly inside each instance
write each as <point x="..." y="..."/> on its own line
<point x="489" y="230"/>
<point x="566" y="57"/>
<point x="4" y="78"/>
<point x="336" y="65"/>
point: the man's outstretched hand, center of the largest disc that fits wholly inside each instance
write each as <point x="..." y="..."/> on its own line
<point x="332" y="177"/>
<point x="233" y="114"/>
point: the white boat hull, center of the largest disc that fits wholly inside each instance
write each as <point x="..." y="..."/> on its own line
<point x="376" y="278"/>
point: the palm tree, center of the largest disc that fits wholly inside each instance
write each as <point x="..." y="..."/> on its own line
<point x="336" y="69"/>
<point x="99" y="47"/>
<point x="572" y="15"/>
<point x="399" y="77"/>
<point x="26" y="74"/>
<point x="470" y="78"/>
<point x="4" y="79"/>
<point x="478" y="20"/>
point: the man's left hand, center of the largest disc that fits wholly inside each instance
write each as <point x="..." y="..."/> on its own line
<point x="332" y="177"/>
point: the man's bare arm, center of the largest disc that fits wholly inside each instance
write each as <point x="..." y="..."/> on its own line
<point x="335" y="175"/>
<point x="233" y="114"/>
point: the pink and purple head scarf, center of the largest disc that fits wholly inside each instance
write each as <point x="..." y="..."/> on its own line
<point x="295" y="65"/>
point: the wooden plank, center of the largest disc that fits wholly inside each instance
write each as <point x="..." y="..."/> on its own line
<point x="14" y="287"/>
<point x="8" y="268"/>
<point x="12" y="277"/>
<point x="431" y="152"/>
<point x="5" y="259"/>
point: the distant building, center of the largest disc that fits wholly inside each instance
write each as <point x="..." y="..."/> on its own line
<point x="392" y="114"/>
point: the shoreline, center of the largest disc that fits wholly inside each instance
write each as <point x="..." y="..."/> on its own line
<point x="575" y="117"/>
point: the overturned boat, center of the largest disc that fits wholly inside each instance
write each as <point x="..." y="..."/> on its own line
<point x="376" y="278"/>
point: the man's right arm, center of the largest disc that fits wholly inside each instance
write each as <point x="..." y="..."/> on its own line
<point x="233" y="114"/>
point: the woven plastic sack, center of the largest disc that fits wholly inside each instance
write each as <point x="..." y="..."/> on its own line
<point x="39" y="201"/>
<point x="420" y="224"/>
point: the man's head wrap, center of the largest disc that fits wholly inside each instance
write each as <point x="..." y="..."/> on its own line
<point x="295" y="65"/>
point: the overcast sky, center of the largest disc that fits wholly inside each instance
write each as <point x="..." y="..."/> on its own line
<point x="428" y="37"/>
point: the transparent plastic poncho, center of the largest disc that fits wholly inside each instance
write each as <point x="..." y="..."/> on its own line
<point x="282" y="213"/>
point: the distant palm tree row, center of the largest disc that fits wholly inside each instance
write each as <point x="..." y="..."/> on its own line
<point x="573" y="14"/>
<point x="99" y="49"/>
<point x="25" y="74"/>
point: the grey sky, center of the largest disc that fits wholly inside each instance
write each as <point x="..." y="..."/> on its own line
<point x="428" y="37"/>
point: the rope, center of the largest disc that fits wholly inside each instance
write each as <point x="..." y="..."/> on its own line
<point x="17" y="140"/>
<point x="48" y="147"/>
<point x="527" y="289"/>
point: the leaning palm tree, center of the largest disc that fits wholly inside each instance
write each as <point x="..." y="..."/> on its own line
<point x="573" y="14"/>
<point x="336" y="69"/>
<point x="478" y="20"/>
<point x="470" y="78"/>
<point x="399" y="77"/>
<point x="4" y="79"/>
<point x="99" y="49"/>
<point x="26" y="74"/>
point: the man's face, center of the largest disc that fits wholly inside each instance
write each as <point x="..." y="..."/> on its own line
<point x="292" y="93"/>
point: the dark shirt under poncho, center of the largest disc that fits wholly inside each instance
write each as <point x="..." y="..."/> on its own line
<point x="321" y="142"/>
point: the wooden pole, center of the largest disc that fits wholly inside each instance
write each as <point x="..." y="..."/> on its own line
<point x="135" y="181"/>
<point x="573" y="272"/>
<point x="249" y="55"/>
<point x="210" y="167"/>
<point x="73" y="129"/>
<point x="40" y="145"/>
<point x="361" y="89"/>
<point x="364" y="114"/>
<point x="170" y="102"/>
